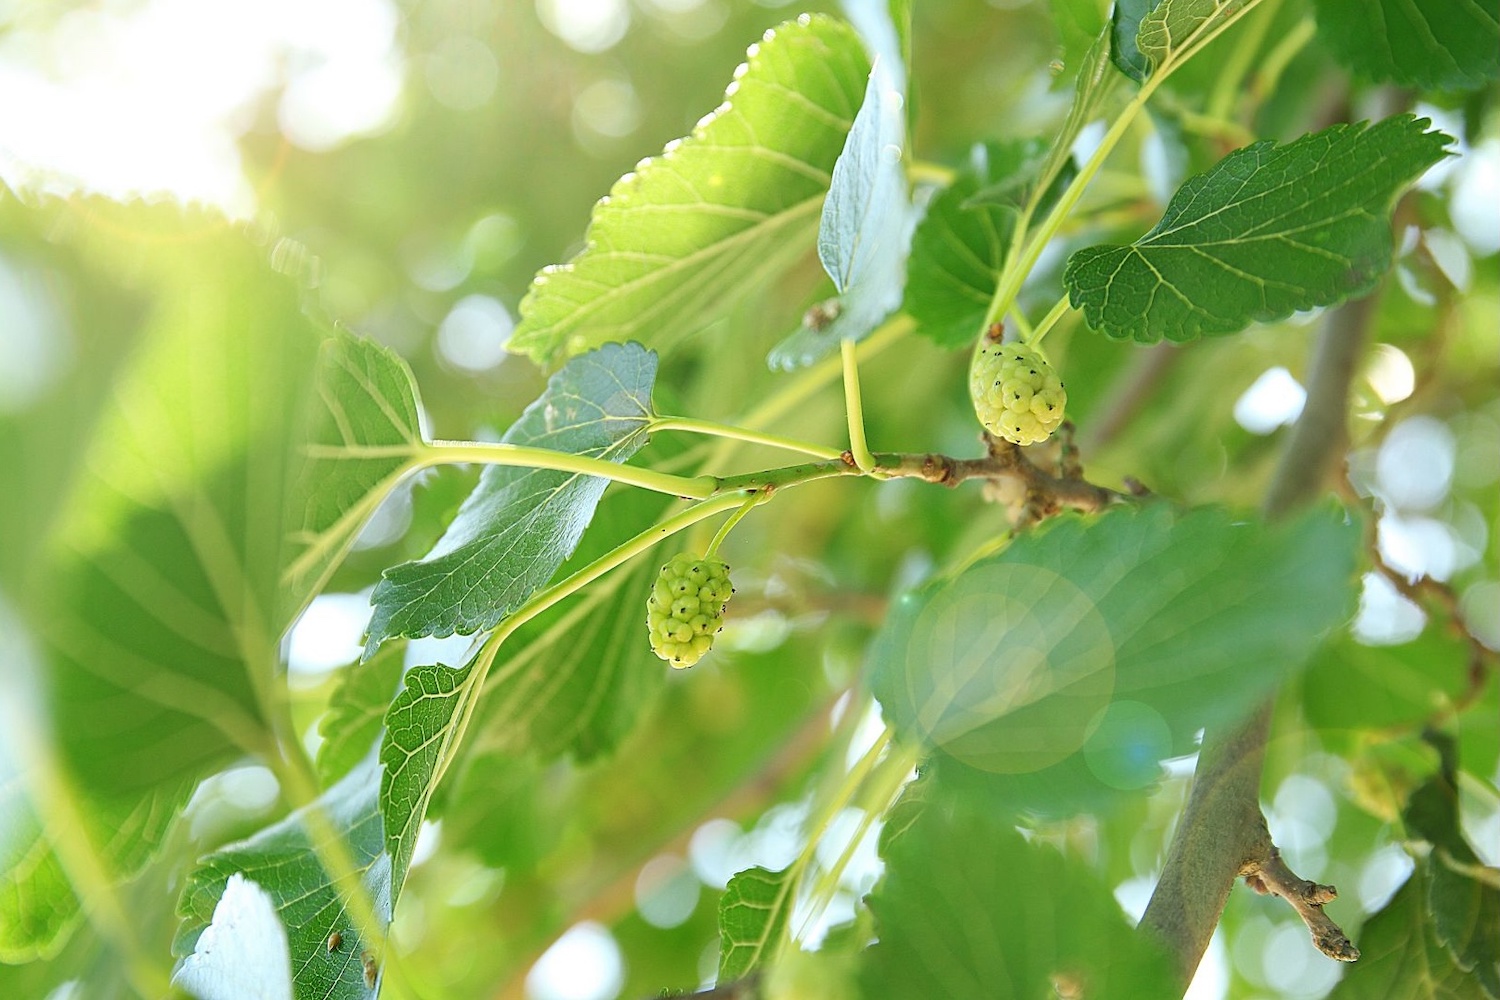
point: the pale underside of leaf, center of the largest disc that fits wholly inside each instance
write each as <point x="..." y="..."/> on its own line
<point x="282" y="861"/>
<point x="421" y="735"/>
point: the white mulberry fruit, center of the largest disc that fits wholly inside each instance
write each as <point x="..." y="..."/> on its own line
<point x="686" y="608"/>
<point x="1016" y="394"/>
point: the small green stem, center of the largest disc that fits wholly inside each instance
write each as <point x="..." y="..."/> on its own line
<point x="1056" y="313"/>
<point x="545" y="599"/>
<point x="831" y="808"/>
<point x="488" y="453"/>
<point x="741" y="434"/>
<point x="1277" y="60"/>
<point x="1229" y="84"/>
<point x="884" y="782"/>
<point x="863" y="460"/>
<point x="927" y="172"/>
<point x="730" y="522"/>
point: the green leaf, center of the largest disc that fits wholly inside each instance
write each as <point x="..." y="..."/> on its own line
<point x="1465" y="907"/>
<point x="356" y="711"/>
<point x="1125" y="25"/>
<point x="282" y="861"/>
<point x="156" y="599"/>
<point x="38" y="909"/>
<point x="366" y="435"/>
<point x="685" y="235"/>
<point x="1400" y="956"/>
<point x="867" y="216"/>
<point x="1268" y="231"/>
<point x="1431" y="44"/>
<point x="968" y="909"/>
<point x="421" y="738"/>
<point x="1171" y="25"/>
<point x="1351" y="686"/>
<point x="960" y="245"/>
<point x="519" y="524"/>
<point x="1119" y="637"/>
<point x="752" y="919"/>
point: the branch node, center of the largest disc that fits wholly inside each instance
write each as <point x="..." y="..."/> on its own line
<point x="1272" y="876"/>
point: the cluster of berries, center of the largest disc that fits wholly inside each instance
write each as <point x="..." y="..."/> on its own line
<point x="1016" y="393"/>
<point x="686" y="608"/>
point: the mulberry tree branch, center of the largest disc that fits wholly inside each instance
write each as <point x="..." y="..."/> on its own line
<point x="1222" y="833"/>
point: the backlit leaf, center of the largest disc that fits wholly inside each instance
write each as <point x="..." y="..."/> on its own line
<point x="678" y="240"/>
<point x="366" y="435"/>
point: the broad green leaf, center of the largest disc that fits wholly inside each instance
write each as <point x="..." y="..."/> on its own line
<point x="156" y="598"/>
<point x="1465" y="908"/>
<point x="752" y="919"/>
<point x="1428" y="44"/>
<point x="366" y="435"/>
<point x="1270" y="230"/>
<point x="1116" y="637"/>
<point x="243" y="951"/>
<point x="1401" y="957"/>
<point x="867" y="216"/>
<point x="968" y="908"/>
<point x="38" y="909"/>
<point x="681" y="238"/>
<point x="421" y="737"/>
<point x="1125" y="25"/>
<point x="1170" y="26"/>
<point x="961" y="243"/>
<point x="519" y="524"/>
<point x="356" y="711"/>
<point x="282" y="861"/>
<point x="1349" y="685"/>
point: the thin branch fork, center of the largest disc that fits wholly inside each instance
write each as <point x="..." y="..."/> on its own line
<point x="1222" y="832"/>
<point x="1271" y="876"/>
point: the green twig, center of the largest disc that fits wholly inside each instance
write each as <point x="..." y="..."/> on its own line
<point x="730" y="522"/>
<point x="1056" y="313"/>
<point x="486" y="453"/>
<point x="863" y="460"/>
<point x="744" y="434"/>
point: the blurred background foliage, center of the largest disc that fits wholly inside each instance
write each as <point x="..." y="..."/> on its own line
<point x="414" y="164"/>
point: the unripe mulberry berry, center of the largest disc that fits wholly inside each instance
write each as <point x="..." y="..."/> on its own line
<point x="1016" y="393"/>
<point x="686" y="608"/>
